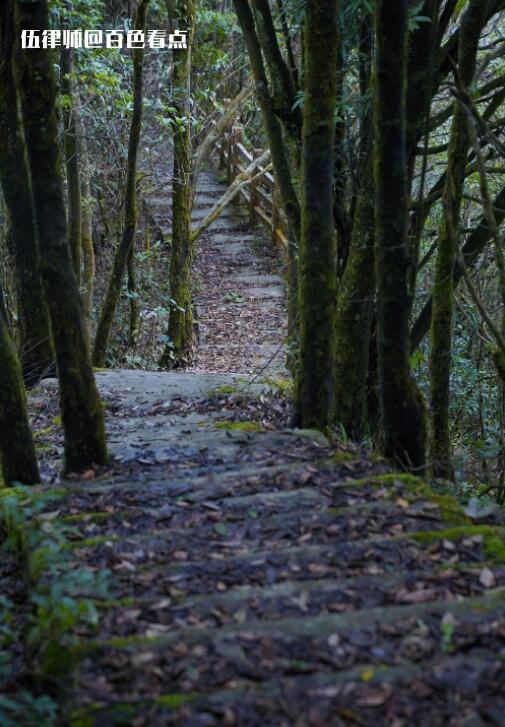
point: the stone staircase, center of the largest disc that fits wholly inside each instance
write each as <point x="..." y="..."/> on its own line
<point x="267" y="577"/>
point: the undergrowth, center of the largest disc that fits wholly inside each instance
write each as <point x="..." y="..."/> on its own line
<point x="60" y="597"/>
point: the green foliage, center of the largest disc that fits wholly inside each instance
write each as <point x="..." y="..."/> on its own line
<point x="60" y="598"/>
<point x="415" y="17"/>
<point x="27" y="710"/>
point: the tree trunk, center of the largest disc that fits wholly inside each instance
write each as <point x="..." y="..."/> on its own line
<point x="355" y="309"/>
<point x="71" y="151"/>
<point x="403" y="436"/>
<point x="81" y="409"/>
<point x="37" y="353"/>
<point x="180" y="324"/>
<point x="134" y="320"/>
<point x="356" y="294"/>
<point x="471" y="250"/>
<point x="88" y="252"/>
<point x="17" y="451"/>
<point x="443" y="291"/>
<point x="130" y="210"/>
<point x="283" y="88"/>
<point x="318" y="276"/>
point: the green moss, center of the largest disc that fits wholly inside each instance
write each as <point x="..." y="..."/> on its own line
<point x="94" y="517"/>
<point x="175" y="701"/>
<point x="413" y="483"/>
<point x="494" y="547"/>
<point x="493" y="538"/>
<point x="341" y="456"/>
<point x="240" y="426"/>
<point x="223" y="389"/>
<point x="82" y="721"/>
<point x="115" y="715"/>
<point x="45" y="431"/>
<point x="92" y="542"/>
<point x="450" y="509"/>
<point x="284" y="386"/>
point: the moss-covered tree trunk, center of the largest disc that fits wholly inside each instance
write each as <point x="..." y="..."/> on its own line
<point x="130" y="208"/>
<point x="37" y="353"/>
<point x="443" y="291"/>
<point x="318" y="277"/>
<point x="81" y="408"/>
<point x="403" y="423"/>
<point x="180" y="325"/>
<point x="356" y="294"/>
<point x="17" y="452"/>
<point x="355" y="310"/>
<point x="71" y="151"/>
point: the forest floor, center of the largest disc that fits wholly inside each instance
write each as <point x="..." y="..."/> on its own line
<point x="256" y="574"/>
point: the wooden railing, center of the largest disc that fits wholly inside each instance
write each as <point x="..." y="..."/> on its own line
<point x="261" y="196"/>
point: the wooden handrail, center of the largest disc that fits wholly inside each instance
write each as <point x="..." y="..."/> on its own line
<point x="262" y="197"/>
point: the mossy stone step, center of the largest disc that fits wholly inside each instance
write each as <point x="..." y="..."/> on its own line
<point x="492" y="603"/>
<point x="315" y="687"/>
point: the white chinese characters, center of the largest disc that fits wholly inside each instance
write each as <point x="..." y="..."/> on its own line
<point x="129" y="39"/>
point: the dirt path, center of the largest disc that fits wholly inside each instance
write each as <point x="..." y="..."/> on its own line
<point x="239" y="289"/>
<point x="259" y="576"/>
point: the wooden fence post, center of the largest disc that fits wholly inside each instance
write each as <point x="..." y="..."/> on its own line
<point x="275" y="213"/>
<point x="237" y="139"/>
<point x="230" y="166"/>
<point x="221" y="153"/>
<point x="253" y="199"/>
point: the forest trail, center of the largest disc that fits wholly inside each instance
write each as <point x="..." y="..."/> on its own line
<point x="261" y="576"/>
<point x="239" y="288"/>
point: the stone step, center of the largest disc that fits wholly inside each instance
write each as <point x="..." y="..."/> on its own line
<point x="308" y="599"/>
<point x="367" y="621"/>
<point x="158" y="562"/>
<point x="356" y="695"/>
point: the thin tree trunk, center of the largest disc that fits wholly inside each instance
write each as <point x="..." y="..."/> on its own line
<point x="88" y="252"/>
<point x="130" y="210"/>
<point x="471" y="250"/>
<point x="318" y="276"/>
<point x="71" y="151"/>
<point x="401" y="406"/>
<point x="287" y="40"/>
<point x="271" y="123"/>
<point x="17" y="451"/>
<point x="443" y="290"/>
<point x="134" y="321"/>
<point x="81" y="409"/>
<point x="283" y="88"/>
<point x="37" y="353"/>
<point x="180" y="324"/>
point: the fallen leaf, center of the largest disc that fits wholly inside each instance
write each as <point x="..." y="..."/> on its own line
<point x="487" y="578"/>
